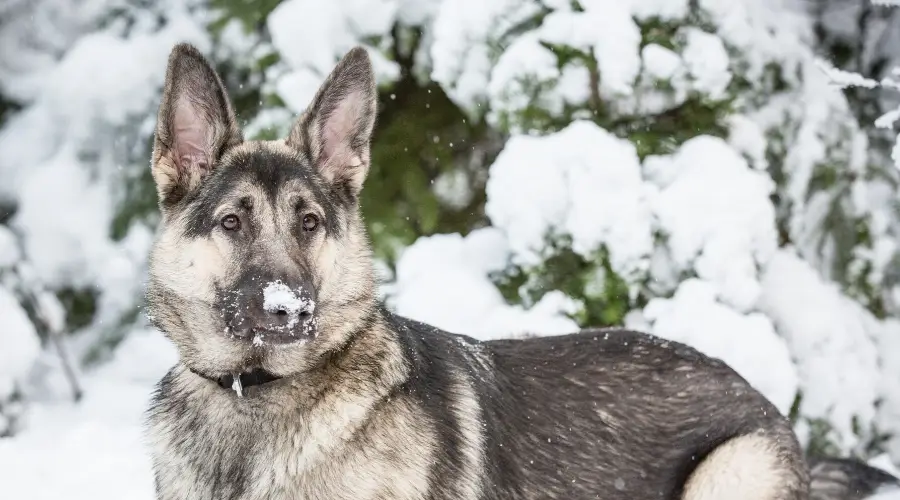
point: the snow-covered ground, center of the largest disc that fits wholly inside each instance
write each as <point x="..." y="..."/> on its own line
<point x="699" y="224"/>
<point x="93" y="449"/>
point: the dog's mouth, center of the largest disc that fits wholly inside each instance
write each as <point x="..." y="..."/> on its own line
<point x="266" y="334"/>
<point x="277" y="336"/>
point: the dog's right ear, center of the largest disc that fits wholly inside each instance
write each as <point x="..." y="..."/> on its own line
<point x="195" y="125"/>
<point x="335" y="130"/>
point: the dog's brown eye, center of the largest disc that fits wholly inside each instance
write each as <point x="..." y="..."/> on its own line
<point x="310" y="222"/>
<point x="231" y="222"/>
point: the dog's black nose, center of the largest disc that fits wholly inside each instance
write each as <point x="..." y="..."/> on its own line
<point x="283" y="316"/>
<point x="285" y="304"/>
<point x="271" y="307"/>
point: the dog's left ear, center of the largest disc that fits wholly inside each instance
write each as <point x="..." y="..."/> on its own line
<point x="335" y="131"/>
<point x="196" y="124"/>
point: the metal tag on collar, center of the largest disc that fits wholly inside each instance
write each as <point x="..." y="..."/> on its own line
<point x="236" y="384"/>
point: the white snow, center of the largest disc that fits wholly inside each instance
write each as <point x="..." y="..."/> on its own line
<point x="95" y="449"/>
<point x="60" y="207"/>
<point x="525" y="65"/>
<point x="888" y="346"/>
<point x="460" y="55"/>
<point x="331" y="28"/>
<point x="51" y="311"/>
<point x="454" y="188"/>
<point x="895" y="152"/>
<point x="297" y="88"/>
<point x="845" y="79"/>
<point x="443" y="280"/>
<point x="889" y="493"/>
<point x="746" y="342"/>
<point x="20" y="344"/>
<point x="606" y="28"/>
<point x="582" y="181"/>
<point x="746" y="137"/>
<point x="660" y="62"/>
<point x="763" y="30"/>
<point x="9" y="248"/>
<point x="707" y="62"/>
<point x="279" y="297"/>
<point x="417" y="12"/>
<point x="883" y="462"/>
<point x="829" y="331"/>
<point x="311" y="36"/>
<point x="888" y="119"/>
<point x="716" y="215"/>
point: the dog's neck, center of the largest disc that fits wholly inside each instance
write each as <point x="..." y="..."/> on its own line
<point x="239" y="381"/>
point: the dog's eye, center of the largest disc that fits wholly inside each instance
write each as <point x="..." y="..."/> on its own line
<point x="231" y="222"/>
<point x="310" y="222"/>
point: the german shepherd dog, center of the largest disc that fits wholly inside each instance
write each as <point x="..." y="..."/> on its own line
<point x="295" y="383"/>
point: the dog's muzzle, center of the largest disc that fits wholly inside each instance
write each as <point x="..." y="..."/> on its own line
<point x="270" y="311"/>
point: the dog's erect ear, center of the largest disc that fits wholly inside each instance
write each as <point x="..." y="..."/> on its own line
<point x="196" y="124"/>
<point x="336" y="129"/>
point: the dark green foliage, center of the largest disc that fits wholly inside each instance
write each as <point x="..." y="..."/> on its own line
<point x="661" y="32"/>
<point x="7" y="210"/>
<point x="534" y="117"/>
<point x="662" y="133"/>
<point x="794" y="413"/>
<point x="759" y="90"/>
<point x="8" y="107"/>
<point x="664" y="32"/>
<point x="420" y="134"/>
<point x="564" y="270"/>
<point x="252" y="14"/>
<point x="80" y="305"/>
<point x="870" y="441"/>
<point x="820" y="443"/>
<point x="844" y="231"/>
<point x="139" y="202"/>
<point x="665" y="132"/>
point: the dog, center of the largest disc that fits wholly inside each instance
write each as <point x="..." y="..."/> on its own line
<point x="294" y="382"/>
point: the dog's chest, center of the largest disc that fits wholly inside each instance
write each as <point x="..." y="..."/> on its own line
<point x="209" y="455"/>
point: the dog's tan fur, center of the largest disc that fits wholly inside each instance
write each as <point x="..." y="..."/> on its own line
<point x="744" y="468"/>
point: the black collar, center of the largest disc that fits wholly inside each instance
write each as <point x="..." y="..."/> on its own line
<point x="256" y="377"/>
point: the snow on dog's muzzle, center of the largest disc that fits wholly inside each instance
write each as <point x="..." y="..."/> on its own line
<point x="271" y="311"/>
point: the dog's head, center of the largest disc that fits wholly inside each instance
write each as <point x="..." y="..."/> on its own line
<point x="262" y="260"/>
